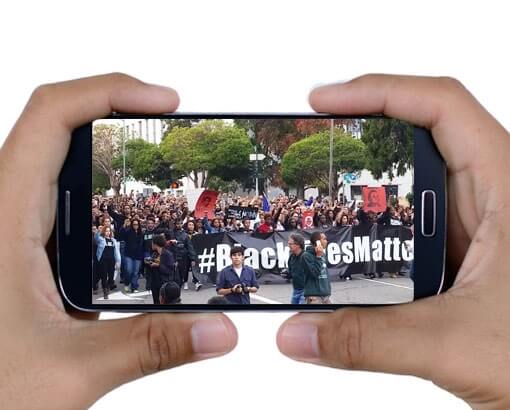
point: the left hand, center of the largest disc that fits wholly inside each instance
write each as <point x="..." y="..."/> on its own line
<point x="49" y="350"/>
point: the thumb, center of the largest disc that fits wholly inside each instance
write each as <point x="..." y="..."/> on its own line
<point x="393" y="339"/>
<point x="119" y="351"/>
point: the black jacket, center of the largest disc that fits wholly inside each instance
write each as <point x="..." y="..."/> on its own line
<point x="166" y="270"/>
<point x="183" y="249"/>
<point x="134" y="244"/>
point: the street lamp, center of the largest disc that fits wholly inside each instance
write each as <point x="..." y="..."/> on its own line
<point x="255" y="157"/>
<point x="251" y="135"/>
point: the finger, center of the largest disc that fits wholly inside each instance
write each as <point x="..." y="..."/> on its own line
<point x="457" y="120"/>
<point x="119" y="351"/>
<point x="39" y="141"/>
<point x="33" y="154"/>
<point x="396" y="339"/>
<point x="460" y="127"/>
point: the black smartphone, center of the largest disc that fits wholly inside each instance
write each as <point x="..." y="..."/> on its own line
<point x="196" y="212"/>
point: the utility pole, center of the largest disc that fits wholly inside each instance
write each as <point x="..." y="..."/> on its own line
<point x="124" y="154"/>
<point x="331" y="160"/>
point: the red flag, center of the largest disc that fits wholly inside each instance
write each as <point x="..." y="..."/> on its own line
<point x="307" y="220"/>
<point x="206" y="203"/>
<point x="374" y="199"/>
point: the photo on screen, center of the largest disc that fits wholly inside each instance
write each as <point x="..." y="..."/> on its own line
<point x="252" y="211"/>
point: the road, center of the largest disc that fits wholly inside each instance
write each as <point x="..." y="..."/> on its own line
<point x="359" y="290"/>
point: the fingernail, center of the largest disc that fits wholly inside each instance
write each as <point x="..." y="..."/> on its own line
<point x="210" y="337"/>
<point x="299" y="340"/>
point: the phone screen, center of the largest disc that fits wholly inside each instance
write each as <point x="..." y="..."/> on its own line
<point x="226" y="211"/>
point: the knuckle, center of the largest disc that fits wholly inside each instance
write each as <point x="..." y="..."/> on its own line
<point x="451" y="84"/>
<point x="42" y="94"/>
<point x="162" y="347"/>
<point x="349" y="343"/>
<point x="119" y="77"/>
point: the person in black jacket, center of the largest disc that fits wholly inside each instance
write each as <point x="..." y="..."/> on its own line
<point x="163" y="267"/>
<point x="133" y="254"/>
<point x="185" y="255"/>
<point x="148" y="234"/>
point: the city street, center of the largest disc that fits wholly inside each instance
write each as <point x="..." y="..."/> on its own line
<point x="359" y="290"/>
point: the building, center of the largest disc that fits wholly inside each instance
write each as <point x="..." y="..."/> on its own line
<point x="148" y="129"/>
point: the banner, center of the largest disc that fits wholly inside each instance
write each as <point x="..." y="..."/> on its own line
<point x="206" y="203"/>
<point x="352" y="250"/>
<point x="374" y="199"/>
<point x="242" y="212"/>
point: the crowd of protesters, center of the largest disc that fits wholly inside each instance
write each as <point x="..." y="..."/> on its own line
<point x="150" y="236"/>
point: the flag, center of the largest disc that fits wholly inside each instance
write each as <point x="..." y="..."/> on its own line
<point x="265" y="204"/>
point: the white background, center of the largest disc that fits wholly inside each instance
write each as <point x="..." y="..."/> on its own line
<point x="257" y="56"/>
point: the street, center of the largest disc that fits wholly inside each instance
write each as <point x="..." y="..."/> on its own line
<point x="359" y="290"/>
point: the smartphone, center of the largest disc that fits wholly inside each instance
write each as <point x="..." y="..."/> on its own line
<point x="386" y="233"/>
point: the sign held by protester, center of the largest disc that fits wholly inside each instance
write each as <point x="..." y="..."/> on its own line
<point x="307" y="220"/>
<point x="242" y="212"/>
<point x="206" y="203"/>
<point x="374" y="199"/>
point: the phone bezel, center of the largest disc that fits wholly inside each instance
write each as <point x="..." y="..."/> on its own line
<point x="73" y="265"/>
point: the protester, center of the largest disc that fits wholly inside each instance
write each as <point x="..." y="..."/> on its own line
<point x="185" y="255"/>
<point x="170" y="294"/>
<point x="134" y="255"/>
<point x="148" y="234"/>
<point x="218" y="300"/>
<point x="237" y="281"/>
<point x="163" y="266"/>
<point x="317" y="283"/>
<point x="108" y="257"/>
<point x="297" y="268"/>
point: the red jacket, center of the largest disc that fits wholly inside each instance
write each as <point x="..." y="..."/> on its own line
<point x="265" y="228"/>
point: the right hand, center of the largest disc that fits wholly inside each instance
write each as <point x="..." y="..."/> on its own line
<point x="460" y="339"/>
<point x="319" y="250"/>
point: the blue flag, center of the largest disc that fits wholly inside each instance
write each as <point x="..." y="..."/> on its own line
<point x="265" y="204"/>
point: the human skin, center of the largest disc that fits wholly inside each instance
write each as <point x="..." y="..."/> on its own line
<point x="51" y="359"/>
<point x="460" y="340"/>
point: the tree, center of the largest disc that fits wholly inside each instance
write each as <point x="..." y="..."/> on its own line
<point x="275" y="136"/>
<point x="309" y="126"/>
<point x="306" y="163"/>
<point x="100" y="181"/>
<point x="144" y="162"/>
<point x="170" y="124"/>
<point x="389" y="146"/>
<point x="211" y="148"/>
<point x="106" y="144"/>
<point x="218" y="184"/>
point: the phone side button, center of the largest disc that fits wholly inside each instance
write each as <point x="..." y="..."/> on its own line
<point x="67" y="213"/>
<point x="428" y="213"/>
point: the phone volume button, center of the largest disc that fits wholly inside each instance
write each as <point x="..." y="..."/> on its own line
<point x="67" y="213"/>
